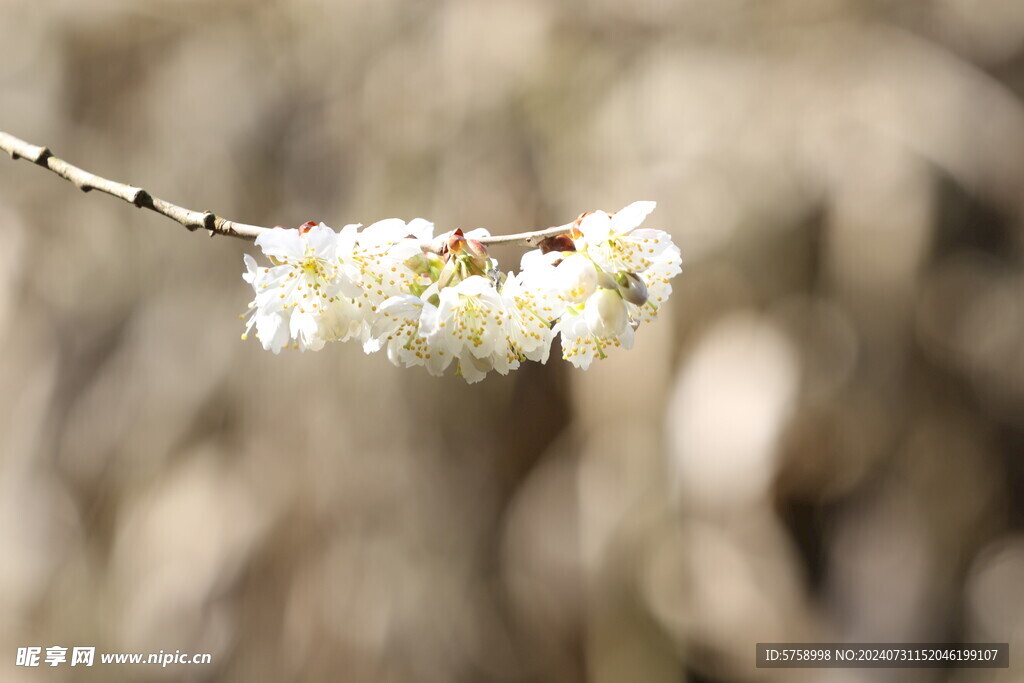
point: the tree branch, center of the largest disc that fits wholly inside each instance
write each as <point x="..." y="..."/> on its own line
<point x="194" y="220"/>
<point x="86" y="181"/>
<point x="525" y="239"/>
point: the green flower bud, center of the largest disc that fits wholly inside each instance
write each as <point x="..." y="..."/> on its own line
<point x="632" y="287"/>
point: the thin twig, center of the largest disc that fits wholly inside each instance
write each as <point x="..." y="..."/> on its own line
<point x="193" y="220"/>
<point x="86" y="181"/>
<point x="526" y="239"/>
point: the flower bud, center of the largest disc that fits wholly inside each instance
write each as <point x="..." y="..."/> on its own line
<point x="456" y="241"/>
<point x="632" y="287"/>
<point x="476" y="253"/>
<point x="470" y="255"/>
<point x="606" y="313"/>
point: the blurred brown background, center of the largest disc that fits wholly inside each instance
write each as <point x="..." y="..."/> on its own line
<point x="821" y="440"/>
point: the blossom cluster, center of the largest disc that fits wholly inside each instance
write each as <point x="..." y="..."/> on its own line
<point x="442" y="302"/>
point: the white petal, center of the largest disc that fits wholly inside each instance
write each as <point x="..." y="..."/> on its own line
<point x="477" y="233"/>
<point x="626" y="338"/>
<point x="404" y="306"/>
<point x="349" y="278"/>
<point x="576" y="277"/>
<point x="606" y="313"/>
<point x="430" y="316"/>
<point x="272" y="332"/>
<point x="631" y="216"/>
<point x="302" y="325"/>
<point x="474" y="285"/>
<point x="340" y="320"/>
<point x="438" y="362"/>
<point x="346" y="240"/>
<point x="322" y="240"/>
<point x="403" y="250"/>
<point x="384" y="231"/>
<point x="473" y="369"/>
<point x="537" y="260"/>
<point x="421" y="229"/>
<point x="251" y="269"/>
<point x="283" y="243"/>
<point x="596" y="226"/>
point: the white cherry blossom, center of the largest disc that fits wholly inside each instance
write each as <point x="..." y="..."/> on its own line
<point x="532" y="304"/>
<point x="617" y="243"/>
<point x="294" y="295"/>
<point x="431" y="302"/>
<point x="576" y="277"/>
<point x="471" y="323"/>
<point x="397" y="329"/>
<point x="589" y="331"/>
